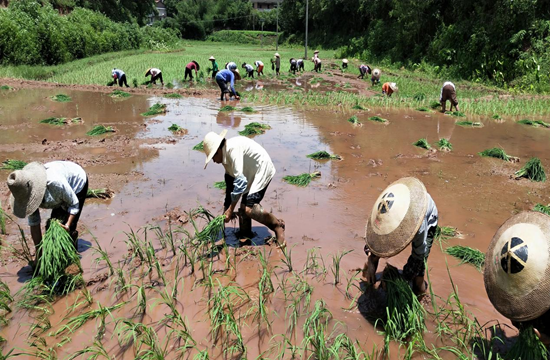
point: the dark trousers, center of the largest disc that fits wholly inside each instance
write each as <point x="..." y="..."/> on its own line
<point x="122" y="81"/>
<point x="246" y="199"/>
<point x="214" y="74"/>
<point x="63" y="215"/>
<point x="250" y="73"/>
<point x="157" y="77"/>
<point x="293" y="68"/>
<point x="188" y="72"/>
<point x="223" y="87"/>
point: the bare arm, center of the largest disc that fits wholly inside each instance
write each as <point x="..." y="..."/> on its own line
<point x="36" y="234"/>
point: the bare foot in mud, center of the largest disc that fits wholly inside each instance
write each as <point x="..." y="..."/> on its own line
<point x="280" y="233"/>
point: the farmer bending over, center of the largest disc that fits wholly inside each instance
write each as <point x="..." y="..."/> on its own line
<point x="259" y="67"/>
<point x="300" y="64"/>
<point x="227" y="76"/>
<point x="277" y="63"/>
<point x="249" y="70"/>
<point x="316" y="63"/>
<point x="119" y="75"/>
<point x="193" y="65"/>
<point x="231" y="66"/>
<point x="293" y="65"/>
<point x="448" y="92"/>
<point x="156" y="74"/>
<point x="404" y="213"/>
<point x="344" y="63"/>
<point x="363" y="69"/>
<point x="389" y="88"/>
<point x="58" y="185"/>
<point x="375" y="77"/>
<point x="248" y="172"/>
<point x="215" y="68"/>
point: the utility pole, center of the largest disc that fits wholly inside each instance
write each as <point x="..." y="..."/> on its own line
<point x="262" y="36"/>
<point x="307" y="19"/>
<point x="277" y="46"/>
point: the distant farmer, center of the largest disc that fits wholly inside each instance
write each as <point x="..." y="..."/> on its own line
<point x="58" y="185"/>
<point x="363" y="70"/>
<point x="389" y="88"/>
<point x="259" y="67"/>
<point x="155" y="74"/>
<point x="403" y="213"/>
<point x="375" y="78"/>
<point x="119" y="75"/>
<point x="344" y="63"/>
<point x="516" y="274"/>
<point x="300" y="64"/>
<point x="248" y="173"/>
<point x="193" y="65"/>
<point x="249" y="70"/>
<point x="215" y="68"/>
<point x="316" y="54"/>
<point x="231" y="66"/>
<point x="277" y="63"/>
<point x="227" y="76"/>
<point x="448" y="92"/>
<point x="316" y="64"/>
<point x="293" y="65"/>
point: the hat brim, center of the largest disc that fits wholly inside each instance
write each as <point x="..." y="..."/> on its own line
<point x="25" y="206"/>
<point x="237" y="74"/>
<point x="215" y="148"/>
<point x="148" y="72"/>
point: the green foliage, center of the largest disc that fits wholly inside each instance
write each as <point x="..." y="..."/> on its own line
<point x="378" y="119"/>
<point x="244" y="37"/>
<point x="419" y="96"/>
<point x="227" y="108"/>
<point x="354" y="120"/>
<point x="212" y="230"/>
<point x="176" y="129"/>
<point x="444" y="145"/>
<point x="12" y="164"/>
<point x="61" y="98"/>
<point x="467" y="255"/>
<point x="302" y="180"/>
<point x="120" y="94"/>
<point x="254" y="128"/>
<point x="173" y="96"/>
<point x="220" y="185"/>
<point x="199" y="146"/>
<point x="323" y="155"/>
<point x="155" y="110"/>
<point x="495" y="152"/>
<point x="423" y="109"/>
<point x="496" y="117"/>
<point x="103" y="193"/>
<point x="456" y="113"/>
<point x="534" y="123"/>
<point x="533" y="170"/>
<point x="469" y="124"/>
<point x="527" y="346"/>
<point x="100" y="130"/>
<point x="434" y="105"/>
<point x="5" y="87"/>
<point x="545" y="209"/>
<point x="248" y="109"/>
<point x="422" y="143"/>
<point x="54" y="121"/>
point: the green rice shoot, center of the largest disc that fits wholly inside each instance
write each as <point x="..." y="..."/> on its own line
<point x="155" y="110"/>
<point x="169" y="85"/>
<point x="378" y="119"/>
<point x="467" y="123"/>
<point x="423" y="109"/>
<point x="61" y="98"/>
<point x="467" y="255"/>
<point x="533" y="171"/>
<point x="220" y="185"/>
<point x="323" y="155"/>
<point x="227" y="108"/>
<point x="302" y="180"/>
<point x="212" y="231"/>
<point x="444" y="145"/>
<point x="5" y="87"/>
<point x="12" y="164"/>
<point x="176" y="129"/>
<point x="545" y="209"/>
<point x="443" y="233"/>
<point x="497" y="153"/>
<point x="534" y="123"/>
<point x="248" y="109"/>
<point x="100" y="130"/>
<point x="527" y="346"/>
<point x="103" y="193"/>
<point x="456" y="113"/>
<point x="434" y="105"/>
<point x="54" y="121"/>
<point x="422" y="143"/>
<point x="173" y="96"/>
<point x="497" y="117"/>
<point x="354" y="120"/>
<point x="118" y="94"/>
<point x="254" y="128"/>
<point x="358" y="107"/>
<point x="199" y="146"/>
<point x="110" y="83"/>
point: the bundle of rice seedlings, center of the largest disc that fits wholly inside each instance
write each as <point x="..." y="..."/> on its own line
<point x="534" y="123"/>
<point x="169" y="85"/>
<point x="248" y="109"/>
<point x="422" y="143"/>
<point x="533" y="170"/>
<point x="12" y="164"/>
<point x="419" y="97"/>
<point x="444" y="145"/>
<point x="497" y="117"/>
<point x="212" y="230"/>
<point x="423" y="109"/>
<point x="5" y="87"/>
<point x="54" y="121"/>
<point x="527" y="346"/>
<point x="176" y="129"/>
<point x="443" y="233"/>
<point x="155" y="110"/>
<point x="220" y="185"/>
<point x="378" y="119"/>
<point x="323" y="155"/>
<point x="498" y="153"/>
<point x="254" y="128"/>
<point x="467" y="255"/>
<point x="469" y="124"/>
<point x="435" y="104"/>
<point x="302" y="180"/>
<point x="358" y="107"/>
<point x="354" y="120"/>
<point x="456" y="113"/>
<point x="173" y="96"/>
<point x="110" y="83"/>
<point x="199" y="146"/>
<point x="545" y="209"/>
<point x="103" y="193"/>
<point x="119" y="94"/>
<point x="100" y="130"/>
<point x="227" y="108"/>
<point x="61" y="98"/>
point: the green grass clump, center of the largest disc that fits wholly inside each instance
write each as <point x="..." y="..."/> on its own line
<point x="323" y="155"/>
<point x="378" y="119"/>
<point x="5" y="87"/>
<point x="434" y="105"/>
<point x="100" y="130"/>
<point x="527" y="346"/>
<point x="199" y="146"/>
<point x="444" y="145"/>
<point x="169" y="85"/>
<point x="248" y="109"/>
<point x="456" y="113"/>
<point x="117" y="94"/>
<point x="220" y="185"/>
<point x="545" y="209"/>
<point x="103" y="193"/>
<point x="227" y="108"/>
<point x="11" y="164"/>
<point x="423" y="109"/>
<point x="534" y="123"/>
<point x="173" y="96"/>
<point x="498" y="153"/>
<point x="354" y="120"/>
<point x="176" y="129"/>
<point x="212" y="231"/>
<point x="419" y="97"/>
<point x="533" y="171"/>
<point x="54" y="121"/>
<point x="61" y="98"/>
<point x="422" y="143"/>
<point x="497" y="117"/>
<point x="254" y="128"/>
<point x="358" y="107"/>
<point x="467" y="255"/>
<point x="110" y="83"/>
<point x="155" y="110"/>
<point x="469" y="123"/>
<point x="302" y="180"/>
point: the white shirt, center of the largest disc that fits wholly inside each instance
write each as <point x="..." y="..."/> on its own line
<point x="258" y="63"/>
<point x="155" y="71"/>
<point x="445" y="84"/>
<point x="244" y="156"/>
<point x="248" y="68"/>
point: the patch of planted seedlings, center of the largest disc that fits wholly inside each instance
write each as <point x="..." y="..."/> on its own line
<point x="423" y="109"/>
<point x="177" y="130"/>
<point x="78" y="321"/>
<point x="12" y="164"/>
<point x="422" y="143"/>
<point x="456" y="113"/>
<point x="534" y="123"/>
<point x="302" y="180"/>
<point x="103" y="193"/>
<point x="467" y="123"/>
<point x="532" y="170"/>
<point x="358" y="107"/>
<point x="444" y="145"/>
<point x="354" y="120"/>
<point x="323" y="155"/>
<point x="545" y="209"/>
<point x="378" y="119"/>
<point x="156" y="109"/>
<point x="498" y="153"/>
<point x="61" y="98"/>
<point x="220" y="185"/>
<point x="254" y="128"/>
<point x="199" y="146"/>
<point x="119" y="94"/>
<point x="248" y="109"/>
<point x="467" y="255"/>
<point x="227" y="108"/>
<point x="100" y="130"/>
<point x="315" y="264"/>
<point x="336" y="260"/>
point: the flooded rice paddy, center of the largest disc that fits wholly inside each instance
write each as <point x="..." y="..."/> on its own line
<point x="155" y="173"/>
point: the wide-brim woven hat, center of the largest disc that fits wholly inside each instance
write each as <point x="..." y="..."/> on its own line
<point x="394" y="87"/>
<point x="211" y="144"/>
<point x="277" y="55"/>
<point x="237" y="74"/>
<point x="396" y="217"/>
<point x="148" y="72"/>
<point x="517" y="267"/>
<point x="27" y="187"/>
<point x="316" y="52"/>
<point x="211" y="58"/>
<point x="376" y="72"/>
<point x="345" y="61"/>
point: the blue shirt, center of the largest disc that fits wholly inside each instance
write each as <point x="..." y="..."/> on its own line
<point x="228" y="77"/>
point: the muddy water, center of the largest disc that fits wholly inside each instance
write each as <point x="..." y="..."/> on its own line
<point x="472" y="193"/>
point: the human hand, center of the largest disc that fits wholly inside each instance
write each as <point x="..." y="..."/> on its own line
<point x="229" y="215"/>
<point x="237" y="97"/>
<point x="66" y="227"/>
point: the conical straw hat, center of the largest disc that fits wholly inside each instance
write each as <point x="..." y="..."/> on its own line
<point x="376" y="72"/>
<point x="211" y="143"/>
<point x="148" y="71"/>
<point x="517" y="267"/>
<point x="345" y="61"/>
<point x="27" y="187"/>
<point x="396" y="217"/>
<point x="212" y="58"/>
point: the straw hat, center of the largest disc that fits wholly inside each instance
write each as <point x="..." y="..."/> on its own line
<point x="211" y="143"/>
<point x="277" y="55"/>
<point x="27" y="187"/>
<point x="148" y="72"/>
<point x="376" y="72"/>
<point x="396" y="217"/>
<point x="345" y="61"/>
<point x="316" y="52"/>
<point x="237" y="74"/>
<point x="517" y="267"/>
<point x="394" y="87"/>
<point x="212" y="58"/>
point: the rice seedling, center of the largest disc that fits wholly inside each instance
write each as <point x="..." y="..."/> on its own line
<point x="156" y="109"/>
<point x="220" y="185"/>
<point x="423" y="109"/>
<point x="358" y="107"/>
<point x="378" y="119"/>
<point x="319" y="316"/>
<point x="265" y="287"/>
<point x="467" y="123"/>
<point x="5" y="87"/>
<point x="496" y="117"/>
<point x="201" y="355"/>
<point x="103" y="193"/>
<point x="254" y="128"/>
<point x="135" y="82"/>
<point x="227" y="108"/>
<point x="93" y="352"/>
<point x="422" y="143"/>
<point x="545" y="209"/>
<point x="456" y="113"/>
<point x="102" y="256"/>
<point x="434" y="104"/>
<point x="145" y="338"/>
<point x="336" y="260"/>
<point x="444" y="145"/>
<point x="169" y="85"/>
<point x="302" y="180"/>
<point x="212" y="231"/>
<point x="467" y="255"/>
<point x="527" y="346"/>
<point x="534" y="123"/>
<point x="177" y="130"/>
<point x="173" y="96"/>
<point x="323" y="155"/>
<point x="54" y="121"/>
<point x="12" y="164"/>
<point x="100" y="130"/>
<point x="77" y="322"/>
<point x="315" y="264"/>
<point x="199" y="146"/>
<point x="61" y="98"/>
<point x="248" y="109"/>
<point x="354" y="120"/>
<point x="498" y="153"/>
<point x="5" y="300"/>
<point x="110" y="83"/>
<point x="287" y="259"/>
<point x="532" y="170"/>
<point x="119" y="94"/>
<point x="443" y="233"/>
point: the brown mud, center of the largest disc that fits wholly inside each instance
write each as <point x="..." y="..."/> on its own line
<point x="157" y="177"/>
